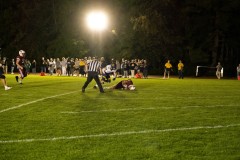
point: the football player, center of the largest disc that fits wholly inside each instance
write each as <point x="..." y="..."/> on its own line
<point x="3" y="78"/>
<point x="20" y="66"/>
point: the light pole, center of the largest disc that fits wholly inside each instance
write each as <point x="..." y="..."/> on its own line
<point x="97" y="22"/>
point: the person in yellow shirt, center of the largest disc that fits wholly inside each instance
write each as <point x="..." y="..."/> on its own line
<point x="82" y="65"/>
<point x="168" y="68"/>
<point x="180" y="69"/>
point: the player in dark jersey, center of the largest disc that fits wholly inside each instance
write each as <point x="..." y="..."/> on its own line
<point x="20" y="66"/>
<point x="3" y="78"/>
<point x="124" y="84"/>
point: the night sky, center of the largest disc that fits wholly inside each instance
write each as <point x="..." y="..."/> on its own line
<point x="197" y="32"/>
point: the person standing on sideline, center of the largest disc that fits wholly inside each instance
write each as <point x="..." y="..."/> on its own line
<point x="238" y="72"/>
<point x="20" y="66"/>
<point x="218" y="72"/>
<point x="64" y="66"/>
<point x="132" y="67"/>
<point x="34" y="66"/>
<point x="180" y="69"/>
<point x="94" y="67"/>
<point x="43" y="66"/>
<point x="168" y="67"/>
<point x="3" y="78"/>
<point x="58" y="67"/>
<point x="125" y="67"/>
<point x="13" y="66"/>
<point x="145" y="69"/>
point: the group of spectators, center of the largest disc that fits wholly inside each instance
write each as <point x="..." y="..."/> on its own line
<point x="135" y="68"/>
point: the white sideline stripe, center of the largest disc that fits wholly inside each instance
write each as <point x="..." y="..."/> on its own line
<point x="31" y="102"/>
<point x="139" y="109"/>
<point x="117" y="134"/>
<point x="164" y="97"/>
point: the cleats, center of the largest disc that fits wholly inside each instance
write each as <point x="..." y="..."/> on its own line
<point x="7" y="88"/>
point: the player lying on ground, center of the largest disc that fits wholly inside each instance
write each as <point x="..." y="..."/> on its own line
<point x="124" y="84"/>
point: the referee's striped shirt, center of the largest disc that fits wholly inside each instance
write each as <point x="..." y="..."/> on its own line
<point x="93" y="66"/>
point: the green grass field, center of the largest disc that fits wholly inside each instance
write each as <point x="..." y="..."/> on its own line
<point x="50" y="118"/>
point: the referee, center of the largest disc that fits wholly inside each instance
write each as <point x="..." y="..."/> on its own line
<point x="93" y="67"/>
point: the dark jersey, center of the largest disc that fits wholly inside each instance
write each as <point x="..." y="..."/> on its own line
<point x="103" y="64"/>
<point x="123" y="84"/>
<point x="1" y="71"/>
<point x="114" y="66"/>
<point x="132" y="66"/>
<point x="125" y="66"/>
<point x="21" y="60"/>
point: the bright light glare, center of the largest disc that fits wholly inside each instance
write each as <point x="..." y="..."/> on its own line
<point x="97" y="21"/>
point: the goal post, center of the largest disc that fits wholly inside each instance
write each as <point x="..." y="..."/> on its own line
<point x="208" y="68"/>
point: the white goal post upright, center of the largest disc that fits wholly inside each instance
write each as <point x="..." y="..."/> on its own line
<point x="207" y="67"/>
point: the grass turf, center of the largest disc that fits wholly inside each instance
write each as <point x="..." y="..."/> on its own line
<point x="49" y="118"/>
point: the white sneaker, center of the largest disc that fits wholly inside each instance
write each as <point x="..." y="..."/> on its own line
<point x="7" y="88"/>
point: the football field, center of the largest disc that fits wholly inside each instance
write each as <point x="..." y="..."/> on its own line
<point x="49" y="118"/>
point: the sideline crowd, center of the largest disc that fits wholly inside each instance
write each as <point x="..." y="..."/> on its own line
<point x="135" y="68"/>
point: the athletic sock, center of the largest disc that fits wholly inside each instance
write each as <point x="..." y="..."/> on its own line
<point x="16" y="77"/>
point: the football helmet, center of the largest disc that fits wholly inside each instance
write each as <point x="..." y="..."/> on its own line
<point x="22" y="53"/>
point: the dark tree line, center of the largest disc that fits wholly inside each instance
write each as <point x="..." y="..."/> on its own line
<point x="200" y="32"/>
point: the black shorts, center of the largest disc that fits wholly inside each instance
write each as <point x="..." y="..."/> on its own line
<point x="2" y="77"/>
<point x="22" y="72"/>
<point x="167" y="69"/>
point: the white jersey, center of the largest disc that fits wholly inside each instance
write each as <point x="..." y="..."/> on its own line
<point x="108" y="69"/>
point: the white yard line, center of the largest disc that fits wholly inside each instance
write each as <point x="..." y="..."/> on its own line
<point x="164" y="97"/>
<point x="117" y="134"/>
<point x="154" y="98"/>
<point x="139" y="109"/>
<point x="31" y="102"/>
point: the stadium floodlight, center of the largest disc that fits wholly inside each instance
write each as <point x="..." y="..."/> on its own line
<point x="97" y="21"/>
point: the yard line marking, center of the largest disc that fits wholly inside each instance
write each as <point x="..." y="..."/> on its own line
<point x="112" y="110"/>
<point x="139" y="109"/>
<point x="175" y="97"/>
<point x="117" y="134"/>
<point x="41" y="99"/>
<point x="31" y="102"/>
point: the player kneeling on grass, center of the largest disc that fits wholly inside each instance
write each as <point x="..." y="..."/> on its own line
<point x="106" y="75"/>
<point x="3" y="78"/>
